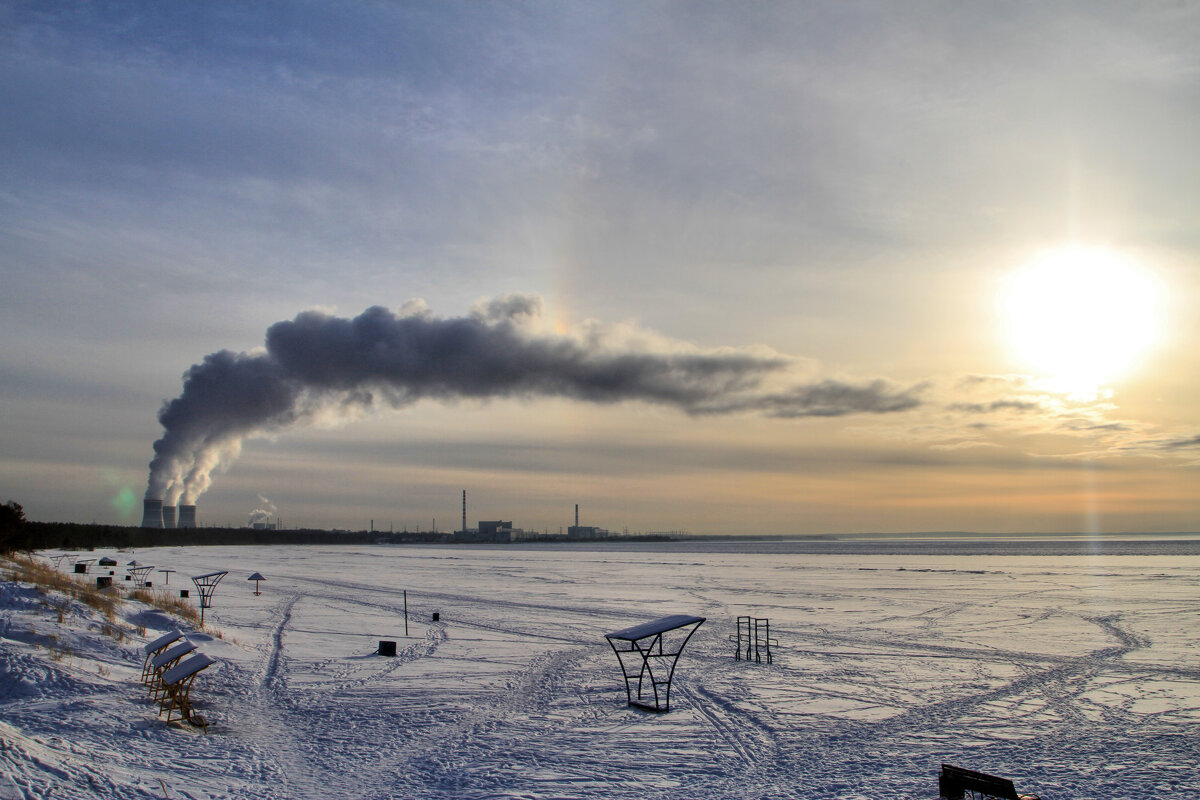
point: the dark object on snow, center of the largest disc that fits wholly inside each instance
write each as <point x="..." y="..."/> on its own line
<point x="753" y="634"/>
<point x="955" y="782"/>
<point x="256" y="577"/>
<point x="81" y="568"/>
<point x="386" y="648"/>
<point x="107" y="562"/>
<point x="103" y="582"/>
<point x="646" y="640"/>
<point x="437" y="617"/>
<point x="183" y="593"/>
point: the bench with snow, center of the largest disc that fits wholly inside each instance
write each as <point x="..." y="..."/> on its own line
<point x="164" y="661"/>
<point x="647" y="655"/>
<point x="955" y="782"/>
<point x="177" y="689"/>
<point x="157" y="646"/>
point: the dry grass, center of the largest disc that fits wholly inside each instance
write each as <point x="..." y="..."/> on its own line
<point x="58" y="650"/>
<point x="113" y="630"/>
<point x="107" y="601"/>
<point x="26" y="569"/>
<point x="163" y="600"/>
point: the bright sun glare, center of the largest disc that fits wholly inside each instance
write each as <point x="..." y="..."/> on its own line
<point x="1082" y="317"/>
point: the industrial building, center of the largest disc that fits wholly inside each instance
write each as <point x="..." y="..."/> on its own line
<point x="578" y="531"/>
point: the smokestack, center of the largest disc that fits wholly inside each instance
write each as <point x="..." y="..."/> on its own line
<point x="187" y="517"/>
<point x="152" y="516"/>
<point x="168" y="516"/>
<point x="464" y="527"/>
<point x="577" y="515"/>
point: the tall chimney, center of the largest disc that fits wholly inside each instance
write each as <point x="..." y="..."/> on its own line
<point x="464" y="527"/>
<point x="577" y="515"/>
<point x="152" y="516"/>
<point x="168" y="515"/>
<point x="187" y="517"/>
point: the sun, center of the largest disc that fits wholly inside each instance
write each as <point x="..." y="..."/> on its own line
<point x="1082" y="318"/>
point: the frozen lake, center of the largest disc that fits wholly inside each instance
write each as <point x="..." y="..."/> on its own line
<point x="1073" y="672"/>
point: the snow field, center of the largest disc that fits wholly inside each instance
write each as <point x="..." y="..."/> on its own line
<point x="1074" y="676"/>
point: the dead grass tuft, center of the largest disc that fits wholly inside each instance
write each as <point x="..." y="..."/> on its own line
<point x="28" y="570"/>
<point x="163" y="600"/>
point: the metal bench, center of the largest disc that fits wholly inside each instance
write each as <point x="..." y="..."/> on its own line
<point x="177" y="689"/>
<point x="652" y="660"/>
<point x="954" y="783"/>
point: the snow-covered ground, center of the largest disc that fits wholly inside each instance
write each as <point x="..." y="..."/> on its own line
<point x="1075" y="675"/>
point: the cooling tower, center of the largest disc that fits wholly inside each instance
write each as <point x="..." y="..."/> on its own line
<point x="168" y="514"/>
<point x="152" y="516"/>
<point x="187" y="517"/>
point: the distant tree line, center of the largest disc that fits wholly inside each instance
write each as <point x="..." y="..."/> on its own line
<point x="75" y="536"/>
<point x="19" y="534"/>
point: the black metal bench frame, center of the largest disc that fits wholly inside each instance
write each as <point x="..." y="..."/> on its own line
<point x="646" y="641"/>
<point x="954" y="783"/>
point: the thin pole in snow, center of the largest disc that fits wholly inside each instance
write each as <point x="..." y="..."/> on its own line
<point x="406" y="613"/>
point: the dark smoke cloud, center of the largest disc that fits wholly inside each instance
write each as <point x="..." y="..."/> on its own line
<point x="318" y="363"/>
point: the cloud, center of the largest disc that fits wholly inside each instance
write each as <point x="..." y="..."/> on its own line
<point x="319" y="365"/>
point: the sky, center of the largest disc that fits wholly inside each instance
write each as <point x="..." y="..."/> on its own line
<point x="781" y="268"/>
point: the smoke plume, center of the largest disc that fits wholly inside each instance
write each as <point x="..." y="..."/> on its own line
<point x="321" y="364"/>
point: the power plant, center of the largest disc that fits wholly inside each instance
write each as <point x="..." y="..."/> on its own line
<point x="152" y="516"/>
<point x="156" y="515"/>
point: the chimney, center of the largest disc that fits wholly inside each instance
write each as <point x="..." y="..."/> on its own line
<point x="187" y="517"/>
<point x="152" y="516"/>
<point x="577" y="515"/>
<point x="464" y="527"/>
<point x="168" y="516"/>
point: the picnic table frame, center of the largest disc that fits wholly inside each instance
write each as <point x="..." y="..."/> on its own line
<point x="646" y="657"/>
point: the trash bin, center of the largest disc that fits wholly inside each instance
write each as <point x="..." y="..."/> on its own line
<point x="103" y="582"/>
<point x="386" y="648"/>
<point x="437" y="617"/>
<point x="81" y="569"/>
<point x="183" y="592"/>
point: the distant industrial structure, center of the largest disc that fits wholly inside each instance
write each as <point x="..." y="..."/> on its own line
<point x="499" y="530"/>
<point x="152" y="516"/>
<point x="156" y="515"/>
<point x="578" y="531"/>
